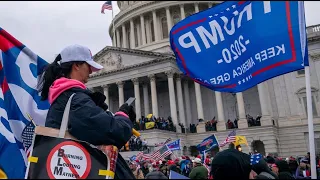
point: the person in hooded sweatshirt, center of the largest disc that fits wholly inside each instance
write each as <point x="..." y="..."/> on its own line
<point x="281" y="168"/>
<point x="88" y="119"/>
<point x="263" y="171"/>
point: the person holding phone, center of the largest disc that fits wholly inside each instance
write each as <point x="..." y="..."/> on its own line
<point x="88" y="119"/>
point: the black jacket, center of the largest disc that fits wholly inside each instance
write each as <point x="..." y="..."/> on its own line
<point x="155" y="175"/>
<point x="90" y="123"/>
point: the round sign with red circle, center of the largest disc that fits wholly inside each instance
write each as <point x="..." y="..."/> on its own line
<point x="68" y="160"/>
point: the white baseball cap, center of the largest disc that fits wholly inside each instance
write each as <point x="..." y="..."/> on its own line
<point x="79" y="53"/>
<point x="197" y="160"/>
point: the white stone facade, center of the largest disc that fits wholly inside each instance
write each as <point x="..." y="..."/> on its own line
<point x="142" y="64"/>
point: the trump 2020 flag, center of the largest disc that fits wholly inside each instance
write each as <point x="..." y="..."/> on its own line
<point x="239" y="44"/>
<point x="19" y="70"/>
<point x="175" y="145"/>
<point x="208" y="143"/>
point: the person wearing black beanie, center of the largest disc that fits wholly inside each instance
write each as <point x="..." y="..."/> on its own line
<point x="231" y="164"/>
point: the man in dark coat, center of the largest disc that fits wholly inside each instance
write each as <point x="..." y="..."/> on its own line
<point x="283" y="170"/>
<point x="155" y="173"/>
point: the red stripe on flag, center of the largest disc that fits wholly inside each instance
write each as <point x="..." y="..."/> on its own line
<point x="4" y="85"/>
<point x="7" y="41"/>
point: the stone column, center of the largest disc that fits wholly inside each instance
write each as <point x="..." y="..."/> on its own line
<point x="106" y="93"/>
<point x="221" y="126"/>
<point x="155" y="27"/>
<point x="132" y="37"/>
<point x="187" y="102"/>
<point x="182" y="118"/>
<point x="143" y="30"/>
<point x="118" y="38"/>
<point x="120" y="90"/>
<point x="199" y="101"/>
<point x="264" y="104"/>
<point x="154" y="98"/>
<point x="146" y="99"/>
<point x="196" y="7"/>
<point x="210" y="5"/>
<point x="182" y="14"/>
<point x="173" y="106"/>
<point x="124" y="37"/>
<point x="169" y="22"/>
<point x="137" y="96"/>
<point x="242" y="123"/>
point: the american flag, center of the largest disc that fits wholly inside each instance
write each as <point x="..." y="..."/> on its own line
<point x="141" y="155"/>
<point x="27" y="136"/>
<point x="107" y="5"/>
<point x="163" y="143"/>
<point x="230" y="138"/>
<point x="158" y="155"/>
<point x="161" y="153"/>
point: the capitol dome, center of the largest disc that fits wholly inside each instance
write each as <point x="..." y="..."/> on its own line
<point x="135" y="27"/>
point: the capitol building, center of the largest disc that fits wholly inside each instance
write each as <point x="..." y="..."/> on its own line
<point x="141" y="64"/>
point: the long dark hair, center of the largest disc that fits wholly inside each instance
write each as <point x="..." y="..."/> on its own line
<point x="52" y="72"/>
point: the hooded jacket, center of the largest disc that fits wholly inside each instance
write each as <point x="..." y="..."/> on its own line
<point x="87" y="121"/>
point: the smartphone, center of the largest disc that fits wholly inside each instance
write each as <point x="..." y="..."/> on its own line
<point x="130" y="100"/>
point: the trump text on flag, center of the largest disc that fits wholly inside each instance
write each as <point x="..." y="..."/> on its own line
<point x="234" y="46"/>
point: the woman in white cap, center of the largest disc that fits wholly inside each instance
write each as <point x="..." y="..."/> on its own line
<point x="88" y="120"/>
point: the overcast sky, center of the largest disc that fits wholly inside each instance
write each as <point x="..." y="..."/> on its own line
<point x="47" y="27"/>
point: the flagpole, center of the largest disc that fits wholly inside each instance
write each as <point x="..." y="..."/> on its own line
<point x="113" y="29"/>
<point x="310" y="124"/>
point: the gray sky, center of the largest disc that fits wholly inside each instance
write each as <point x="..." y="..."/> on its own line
<point x="47" y="27"/>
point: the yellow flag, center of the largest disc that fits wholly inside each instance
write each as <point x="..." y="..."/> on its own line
<point x="149" y="125"/>
<point x="149" y="116"/>
<point x="240" y="140"/>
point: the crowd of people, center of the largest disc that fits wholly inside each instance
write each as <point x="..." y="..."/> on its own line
<point x="160" y="123"/>
<point x="211" y="125"/>
<point x="230" y="163"/>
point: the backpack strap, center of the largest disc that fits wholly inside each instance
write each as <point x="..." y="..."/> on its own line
<point x="65" y="118"/>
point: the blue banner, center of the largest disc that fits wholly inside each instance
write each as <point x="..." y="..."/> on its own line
<point x="175" y="145"/>
<point x="174" y="175"/>
<point x="208" y="143"/>
<point x="239" y="44"/>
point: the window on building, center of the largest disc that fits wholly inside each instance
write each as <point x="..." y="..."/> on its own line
<point x="164" y="26"/>
<point x="176" y="18"/>
<point x="136" y="36"/>
<point x="128" y="38"/>
<point x="121" y="40"/>
<point x="314" y="99"/>
<point x="314" y="109"/>
<point x="301" y="72"/>
<point x="152" y="31"/>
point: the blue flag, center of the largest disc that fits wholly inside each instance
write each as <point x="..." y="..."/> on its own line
<point x="19" y="70"/>
<point x="175" y="175"/>
<point x="239" y="44"/>
<point x="133" y="158"/>
<point x="175" y="145"/>
<point x="208" y="143"/>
